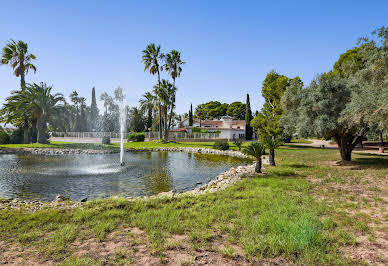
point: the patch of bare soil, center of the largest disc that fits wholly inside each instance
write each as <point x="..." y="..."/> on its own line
<point x="13" y="254"/>
<point x="131" y="246"/>
<point x="363" y="197"/>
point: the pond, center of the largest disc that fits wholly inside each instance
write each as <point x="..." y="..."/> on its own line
<point x="97" y="176"/>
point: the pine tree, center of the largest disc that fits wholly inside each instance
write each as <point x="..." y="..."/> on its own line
<point x="248" y="118"/>
<point x="191" y="116"/>
<point x="93" y="111"/>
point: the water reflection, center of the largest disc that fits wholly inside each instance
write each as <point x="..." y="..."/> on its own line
<point x="78" y="176"/>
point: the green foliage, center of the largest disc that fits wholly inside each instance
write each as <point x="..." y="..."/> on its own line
<point x="136" y="120"/>
<point x="248" y="119"/>
<point x="210" y="110"/>
<point x="138" y="137"/>
<point x="16" y="55"/>
<point x="267" y="121"/>
<point x="254" y="149"/>
<point x="191" y="115"/>
<point x="271" y="143"/>
<point x="221" y="145"/>
<point x="238" y="143"/>
<point x="4" y="137"/>
<point x="349" y="63"/>
<point x="236" y="110"/>
<point x="285" y="137"/>
<point x="201" y="130"/>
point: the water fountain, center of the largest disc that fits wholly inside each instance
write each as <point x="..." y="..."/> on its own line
<point x="122" y="127"/>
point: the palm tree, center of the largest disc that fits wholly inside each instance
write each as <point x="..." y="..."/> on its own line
<point x="16" y="111"/>
<point x="255" y="149"/>
<point x="271" y="143"/>
<point x="147" y="104"/>
<point x="151" y="59"/>
<point x="16" y="55"/>
<point x="163" y="96"/>
<point x="173" y="65"/>
<point x="43" y="105"/>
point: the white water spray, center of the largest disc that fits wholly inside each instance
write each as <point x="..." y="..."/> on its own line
<point x="122" y="129"/>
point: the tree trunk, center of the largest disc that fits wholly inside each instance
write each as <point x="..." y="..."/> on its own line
<point x="160" y="122"/>
<point x="25" y="133"/>
<point x="381" y="150"/>
<point x="166" y="125"/>
<point x="41" y="126"/>
<point x="345" y="149"/>
<point x="172" y="108"/>
<point x="258" y="165"/>
<point x="22" y="80"/>
<point x="149" y="119"/>
<point x="272" y="157"/>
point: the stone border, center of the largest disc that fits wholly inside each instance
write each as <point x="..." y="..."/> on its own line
<point x="54" y="151"/>
<point x="220" y="182"/>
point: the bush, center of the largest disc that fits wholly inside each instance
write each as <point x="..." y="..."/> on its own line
<point x="106" y="140"/>
<point x="196" y="130"/>
<point x="221" y="145"/>
<point x="138" y="137"/>
<point x="4" y="137"/>
<point x="285" y="138"/>
<point x="238" y="143"/>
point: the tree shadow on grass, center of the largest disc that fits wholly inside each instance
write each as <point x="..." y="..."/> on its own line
<point x="297" y="165"/>
<point x="283" y="173"/>
<point x="372" y="161"/>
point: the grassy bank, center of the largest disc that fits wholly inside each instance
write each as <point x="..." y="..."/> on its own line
<point x="305" y="210"/>
<point x="129" y="145"/>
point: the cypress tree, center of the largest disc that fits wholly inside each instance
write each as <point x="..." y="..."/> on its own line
<point x="248" y="119"/>
<point x="191" y="116"/>
<point x="93" y="111"/>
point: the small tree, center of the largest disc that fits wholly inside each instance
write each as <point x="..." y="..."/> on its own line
<point x="255" y="149"/>
<point x="248" y="119"/>
<point x="191" y="116"/>
<point x="271" y="143"/>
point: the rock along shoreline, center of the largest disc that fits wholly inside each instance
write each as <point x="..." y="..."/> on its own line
<point x="220" y="182"/>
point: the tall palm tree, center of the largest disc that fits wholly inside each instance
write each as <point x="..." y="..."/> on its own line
<point x="255" y="149"/>
<point x="147" y="104"/>
<point x="152" y="58"/>
<point x="43" y="105"/>
<point x="173" y="65"/>
<point x="16" y="55"/>
<point x="163" y="95"/>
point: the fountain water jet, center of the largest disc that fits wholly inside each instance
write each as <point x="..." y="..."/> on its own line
<point x="122" y="129"/>
<point x="119" y="96"/>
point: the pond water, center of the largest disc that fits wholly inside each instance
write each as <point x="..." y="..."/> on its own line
<point x="97" y="176"/>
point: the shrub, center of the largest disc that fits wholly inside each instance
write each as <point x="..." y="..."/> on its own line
<point x="106" y="140"/>
<point x="196" y="130"/>
<point x="138" y="137"/>
<point x="16" y="137"/>
<point x="4" y="137"/>
<point x="285" y="138"/>
<point x="238" y="143"/>
<point x="221" y="145"/>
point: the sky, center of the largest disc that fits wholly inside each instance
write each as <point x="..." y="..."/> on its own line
<point x="228" y="46"/>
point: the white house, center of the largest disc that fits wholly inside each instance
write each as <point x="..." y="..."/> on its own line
<point x="229" y="128"/>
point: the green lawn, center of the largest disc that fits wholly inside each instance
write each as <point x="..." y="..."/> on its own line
<point x="303" y="211"/>
<point x="303" y="141"/>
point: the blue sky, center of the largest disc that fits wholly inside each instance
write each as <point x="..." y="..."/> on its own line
<point x="229" y="46"/>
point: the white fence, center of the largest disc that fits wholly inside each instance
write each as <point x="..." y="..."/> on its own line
<point x="88" y="134"/>
<point x="183" y="135"/>
<point x="148" y="135"/>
